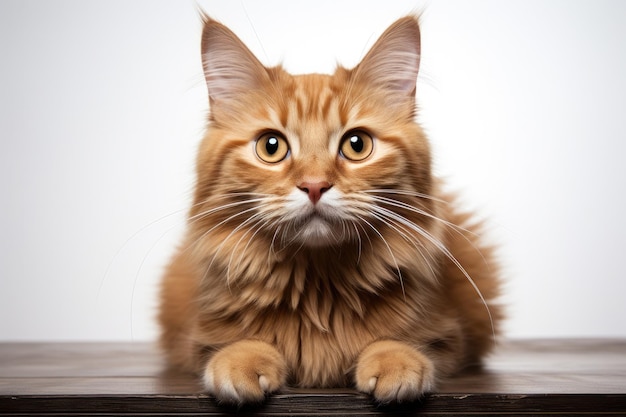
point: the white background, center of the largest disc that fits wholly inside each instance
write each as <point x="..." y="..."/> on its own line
<point x="103" y="105"/>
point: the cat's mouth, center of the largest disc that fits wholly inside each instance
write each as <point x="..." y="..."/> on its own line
<point x="317" y="229"/>
<point x="322" y="213"/>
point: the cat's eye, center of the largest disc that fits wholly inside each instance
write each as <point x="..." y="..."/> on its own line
<point x="271" y="147"/>
<point x="356" y="145"/>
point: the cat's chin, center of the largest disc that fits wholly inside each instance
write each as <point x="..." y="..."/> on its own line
<point x="318" y="232"/>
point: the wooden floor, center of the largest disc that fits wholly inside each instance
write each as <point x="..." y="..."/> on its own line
<point x="537" y="377"/>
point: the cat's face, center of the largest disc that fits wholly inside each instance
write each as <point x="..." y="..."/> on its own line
<point x="309" y="160"/>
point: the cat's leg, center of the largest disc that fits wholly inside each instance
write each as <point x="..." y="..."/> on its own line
<point x="244" y="372"/>
<point x="393" y="371"/>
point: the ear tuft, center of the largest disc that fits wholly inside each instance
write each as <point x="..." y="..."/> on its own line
<point x="393" y="61"/>
<point x="230" y="68"/>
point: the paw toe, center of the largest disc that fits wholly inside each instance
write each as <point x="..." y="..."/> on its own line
<point x="394" y="372"/>
<point x="244" y="373"/>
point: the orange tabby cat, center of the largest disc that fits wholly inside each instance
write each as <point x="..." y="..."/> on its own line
<point x="320" y="250"/>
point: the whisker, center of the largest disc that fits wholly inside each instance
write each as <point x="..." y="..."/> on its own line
<point x="458" y="229"/>
<point x="234" y="248"/>
<point x="424" y="233"/>
<point x="143" y="261"/>
<point x="294" y="236"/>
<point x="189" y="220"/>
<point x="271" y="250"/>
<point x="419" y="211"/>
<point x="366" y="235"/>
<point x="146" y="255"/>
<point x="219" y="248"/>
<point x="382" y="216"/>
<point x="395" y="261"/>
<point x="214" y="210"/>
<point x="358" y="235"/>
<point x="407" y="193"/>
<point x="131" y="238"/>
<point x="207" y="213"/>
<point x="260" y="223"/>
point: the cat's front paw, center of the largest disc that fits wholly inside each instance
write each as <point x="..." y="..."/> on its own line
<point x="244" y="372"/>
<point x="394" y="372"/>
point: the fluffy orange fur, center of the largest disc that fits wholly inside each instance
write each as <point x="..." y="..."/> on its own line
<point x="320" y="249"/>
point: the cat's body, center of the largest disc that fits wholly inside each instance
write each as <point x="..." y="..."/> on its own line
<point x="320" y="249"/>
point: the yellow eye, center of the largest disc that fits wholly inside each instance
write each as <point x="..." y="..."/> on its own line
<point x="356" y="145"/>
<point x="271" y="147"/>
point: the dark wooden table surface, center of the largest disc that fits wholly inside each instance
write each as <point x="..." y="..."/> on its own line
<point x="529" y="377"/>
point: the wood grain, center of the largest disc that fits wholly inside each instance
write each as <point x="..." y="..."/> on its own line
<point x="536" y="377"/>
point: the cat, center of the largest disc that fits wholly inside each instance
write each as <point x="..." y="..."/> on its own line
<point x="320" y="249"/>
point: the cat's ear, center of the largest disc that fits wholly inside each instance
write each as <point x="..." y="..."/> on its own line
<point x="230" y="68"/>
<point x="393" y="62"/>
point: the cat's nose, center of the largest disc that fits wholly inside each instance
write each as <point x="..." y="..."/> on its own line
<point x="315" y="189"/>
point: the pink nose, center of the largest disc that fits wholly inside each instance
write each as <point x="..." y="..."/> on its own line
<point x="315" y="189"/>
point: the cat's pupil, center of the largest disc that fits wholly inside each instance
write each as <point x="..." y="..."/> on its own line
<point x="357" y="144"/>
<point x="271" y="146"/>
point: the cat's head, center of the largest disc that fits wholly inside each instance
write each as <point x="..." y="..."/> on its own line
<point x="311" y="160"/>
